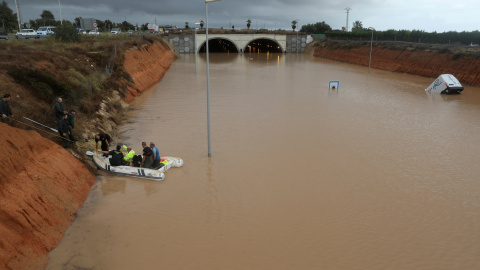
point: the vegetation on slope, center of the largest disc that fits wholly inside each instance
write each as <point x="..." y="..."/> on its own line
<point x="85" y="74"/>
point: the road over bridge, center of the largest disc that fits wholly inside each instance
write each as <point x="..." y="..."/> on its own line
<point x="235" y="43"/>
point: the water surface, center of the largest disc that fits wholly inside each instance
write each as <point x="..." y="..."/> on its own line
<point x="377" y="174"/>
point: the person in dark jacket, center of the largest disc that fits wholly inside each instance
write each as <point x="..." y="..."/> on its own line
<point x="105" y="139"/>
<point x="71" y="118"/>
<point x="117" y="156"/>
<point x="64" y="131"/>
<point x="59" y="110"/>
<point x="5" y="111"/>
<point x="71" y="121"/>
<point x="147" y="160"/>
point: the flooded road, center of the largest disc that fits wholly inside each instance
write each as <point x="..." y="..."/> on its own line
<point x="376" y="174"/>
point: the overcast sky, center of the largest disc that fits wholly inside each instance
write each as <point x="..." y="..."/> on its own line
<point x="439" y="15"/>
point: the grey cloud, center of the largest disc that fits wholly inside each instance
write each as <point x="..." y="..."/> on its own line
<point x="382" y="14"/>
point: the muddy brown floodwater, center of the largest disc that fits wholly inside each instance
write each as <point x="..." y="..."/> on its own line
<point x="376" y="174"/>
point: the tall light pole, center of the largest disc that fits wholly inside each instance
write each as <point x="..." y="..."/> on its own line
<point x="371" y="45"/>
<point x="19" y="14"/>
<point x="297" y="36"/>
<point x="208" y="77"/>
<point x="60" y="9"/>
<point x="197" y="23"/>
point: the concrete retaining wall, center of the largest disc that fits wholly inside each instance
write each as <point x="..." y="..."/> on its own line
<point x="185" y="43"/>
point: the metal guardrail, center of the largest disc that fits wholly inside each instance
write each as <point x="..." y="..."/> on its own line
<point x="11" y="37"/>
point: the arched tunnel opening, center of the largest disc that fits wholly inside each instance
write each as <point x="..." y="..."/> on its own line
<point x="218" y="45"/>
<point x="263" y="46"/>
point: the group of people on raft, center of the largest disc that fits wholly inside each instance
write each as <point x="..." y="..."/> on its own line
<point x="150" y="159"/>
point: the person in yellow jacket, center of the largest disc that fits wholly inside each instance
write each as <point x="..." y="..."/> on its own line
<point x="128" y="158"/>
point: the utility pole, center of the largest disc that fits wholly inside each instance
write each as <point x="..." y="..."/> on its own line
<point x="298" y="45"/>
<point x="348" y="10"/>
<point x="60" y="10"/>
<point x="19" y="14"/>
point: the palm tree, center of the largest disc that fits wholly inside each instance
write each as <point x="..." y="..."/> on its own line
<point x="201" y="24"/>
<point x="294" y="24"/>
<point x="249" y="22"/>
<point x="186" y="25"/>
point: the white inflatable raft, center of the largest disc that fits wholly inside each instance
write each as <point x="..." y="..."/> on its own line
<point x="103" y="163"/>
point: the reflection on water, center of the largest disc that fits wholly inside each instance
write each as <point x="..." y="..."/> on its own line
<point x="114" y="185"/>
<point x="246" y="58"/>
<point x="377" y="174"/>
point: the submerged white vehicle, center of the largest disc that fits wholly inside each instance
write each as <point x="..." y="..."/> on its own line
<point x="445" y="84"/>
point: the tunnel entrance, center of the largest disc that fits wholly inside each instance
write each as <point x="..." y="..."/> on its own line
<point x="263" y="46"/>
<point x="218" y="45"/>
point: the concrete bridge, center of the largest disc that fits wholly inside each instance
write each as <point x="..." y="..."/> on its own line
<point x="285" y="43"/>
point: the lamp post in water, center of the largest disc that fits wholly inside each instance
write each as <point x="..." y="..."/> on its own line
<point x="208" y="77"/>
<point x="197" y="23"/>
<point x="371" y="44"/>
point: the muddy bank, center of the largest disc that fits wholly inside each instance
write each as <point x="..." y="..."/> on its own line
<point x="43" y="185"/>
<point x="146" y="65"/>
<point x="418" y="60"/>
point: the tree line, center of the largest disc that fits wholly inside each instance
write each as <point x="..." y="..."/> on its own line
<point x="451" y="37"/>
<point x="358" y="32"/>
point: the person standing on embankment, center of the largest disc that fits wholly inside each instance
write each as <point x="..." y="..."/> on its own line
<point x="5" y="110"/>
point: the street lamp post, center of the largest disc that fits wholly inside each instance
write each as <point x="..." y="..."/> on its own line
<point x="208" y="77"/>
<point x="19" y="15"/>
<point x="297" y="36"/>
<point x="196" y="46"/>
<point x="60" y="9"/>
<point x="371" y="45"/>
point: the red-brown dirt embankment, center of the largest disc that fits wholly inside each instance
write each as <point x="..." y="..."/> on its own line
<point x="146" y="65"/>
<point x="42" y="186"/>
<point x="425" y="62"/>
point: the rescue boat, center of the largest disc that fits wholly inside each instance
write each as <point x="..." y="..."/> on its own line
<point x="103" y="163"/>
